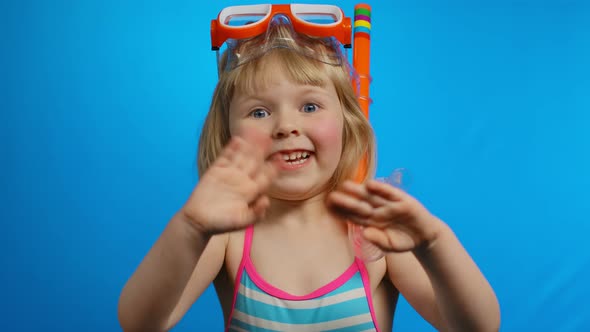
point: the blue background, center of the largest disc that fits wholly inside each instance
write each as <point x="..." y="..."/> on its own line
<point x="484" y="102"/>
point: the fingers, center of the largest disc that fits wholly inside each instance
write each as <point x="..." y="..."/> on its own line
<point x="389" y="240"/>
<point x="373" y="203"/>
<point x="254" y="147"/>
<point x="361" y="192"/>
<point x="391" y="211"/>
<point x="246" y="156"/>
<point x="377" y="237"/>
<point x="265" y="174"/>
<point x="350" y="207"/>
<point x="257" y="139"/>
<point x="384" y="190"/>
<point x="245" y="153"/>
<point x="256" y="143"/>
<point x="353" y="202"/>
<point x="226" y="156"/>
<point x="259" y="207"/>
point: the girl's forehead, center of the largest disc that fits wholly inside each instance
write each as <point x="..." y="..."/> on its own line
<point x="272" y="80"/>
<point x="275" y="70"/>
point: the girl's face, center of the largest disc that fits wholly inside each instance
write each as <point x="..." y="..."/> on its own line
<point x="305" y="124"/>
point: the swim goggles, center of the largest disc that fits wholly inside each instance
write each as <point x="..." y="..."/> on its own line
<point x="237" y="24"/>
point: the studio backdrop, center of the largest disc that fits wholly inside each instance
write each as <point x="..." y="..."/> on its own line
<point x="484" y="103"/>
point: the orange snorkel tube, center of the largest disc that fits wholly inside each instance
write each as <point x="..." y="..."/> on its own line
<point x="361" y="55"/>
<point x="361" y="59"/>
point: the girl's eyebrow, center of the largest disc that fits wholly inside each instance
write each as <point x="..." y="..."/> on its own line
<point x="313" y="88"/>
<point x="249" y="97"/>
<point x="269" y="97"/>
<point x="318" y="92"/>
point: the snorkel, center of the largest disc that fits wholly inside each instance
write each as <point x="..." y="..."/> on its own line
<point x="361" y="53"/>
<point x="361" y="59"/>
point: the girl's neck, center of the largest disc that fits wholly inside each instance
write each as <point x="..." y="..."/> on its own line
<point x="299" y="213"/>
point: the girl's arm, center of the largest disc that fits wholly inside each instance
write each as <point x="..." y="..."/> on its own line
<point x="426" y="261"/>
<point x="187" y="257"/>
<point x="178" y="268"/>
<point x="445" y="285"/>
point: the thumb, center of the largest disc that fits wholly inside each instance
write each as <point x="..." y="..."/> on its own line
<point x="258" y="208"/>
<point x="389" y="240"/>
<point x="377" y="237"/>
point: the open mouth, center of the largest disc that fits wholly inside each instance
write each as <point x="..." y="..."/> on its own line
<point x="295" y="157"/>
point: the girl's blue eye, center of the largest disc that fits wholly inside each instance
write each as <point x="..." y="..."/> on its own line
<point x="259" y="113"/>
<point x="309" y="108"/>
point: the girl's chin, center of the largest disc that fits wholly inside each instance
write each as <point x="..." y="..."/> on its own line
<point x="294" y="190"/>
<point x="290" y="195"/>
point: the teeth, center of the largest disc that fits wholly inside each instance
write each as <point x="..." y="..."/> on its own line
<point x="296" y="156"/>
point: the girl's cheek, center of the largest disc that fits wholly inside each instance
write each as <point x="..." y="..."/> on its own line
<point x="329" y="131"/>
<point x="241" y="126"/>
<point x="234" y="125"/>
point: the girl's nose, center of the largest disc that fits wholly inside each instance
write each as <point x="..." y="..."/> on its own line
<point x="286" y="126"/>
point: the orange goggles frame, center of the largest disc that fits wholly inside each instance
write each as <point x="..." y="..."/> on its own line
<point x="341" y="29"/>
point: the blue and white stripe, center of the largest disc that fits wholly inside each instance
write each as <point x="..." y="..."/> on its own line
<point x="344" y="309"/>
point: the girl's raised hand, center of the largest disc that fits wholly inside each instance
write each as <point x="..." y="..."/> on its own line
<point x="392" y="219"/>
<point x="231" y="193"/>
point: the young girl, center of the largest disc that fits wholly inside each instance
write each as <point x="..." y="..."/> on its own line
<point x="268" y="221"/>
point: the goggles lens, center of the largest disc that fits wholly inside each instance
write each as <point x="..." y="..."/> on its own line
<point x="237" y="16"/>
<point x="279" y="34"/>
<point x="243" y="20"/>
<point x="310" y="18"/>
<point x="319" y="19"/>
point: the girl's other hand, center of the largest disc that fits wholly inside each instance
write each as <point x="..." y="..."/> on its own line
<point x="392" y="219"/>
<point x="231" y="193"/>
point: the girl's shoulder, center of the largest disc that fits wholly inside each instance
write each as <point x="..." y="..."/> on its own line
<point x="236" y="239"/>
<point x="234" y="251"/>
<point x="377" y="272"/>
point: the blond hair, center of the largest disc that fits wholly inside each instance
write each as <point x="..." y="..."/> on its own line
<point x="300" y="68"/>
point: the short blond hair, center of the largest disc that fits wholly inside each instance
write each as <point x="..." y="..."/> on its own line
<point x="357" y="136"/>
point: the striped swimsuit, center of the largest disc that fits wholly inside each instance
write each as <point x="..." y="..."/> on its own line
<point x="343" y="305"/>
